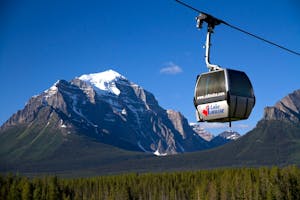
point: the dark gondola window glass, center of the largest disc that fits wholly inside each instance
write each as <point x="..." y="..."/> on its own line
<point x="211" y="83"/>
<point x="239" y="84"/>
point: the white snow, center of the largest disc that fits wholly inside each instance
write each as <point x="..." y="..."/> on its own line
<point x="124" y="112"/>
<point x="103" y="81"/>
<point x="63" y="126"/>
<point x="234" y="136"/>
<point x="159" y="154"/>
<point x="52" y="90"/>
<point x="49" y="93"/>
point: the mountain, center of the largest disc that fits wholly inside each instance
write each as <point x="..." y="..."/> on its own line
<point x="104" y="108"/>
<point x="214" y="141"/>
<point x="274" y="141"/>
<point x="224" y="137"/>
<point x="85" y="127"/>
<point x="287" y="109"/>
<point x="202" y="132"/>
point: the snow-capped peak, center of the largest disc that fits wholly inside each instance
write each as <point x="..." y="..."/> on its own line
<point x="234" y="136"/>
<point x="52" y="90"/>
<point x="103" y="81"/>
<point x="230" y="135"/>
<point x="206" y="135"/>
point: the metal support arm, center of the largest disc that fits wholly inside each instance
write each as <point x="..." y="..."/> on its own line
<point x="211" y="23"/>
<point x="211" y="67"/>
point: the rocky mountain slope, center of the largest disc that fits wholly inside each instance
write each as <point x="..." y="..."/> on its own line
<point x="98" y="123"/>
<point x="197" y="127"/>
<point x="107" y="108"/>
<point x="224" y="137"/>
<point x="274" y="141"/>
<point x="287" y="109"/>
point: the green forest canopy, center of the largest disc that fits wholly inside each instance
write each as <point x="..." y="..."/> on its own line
<point x="240" y="183"/>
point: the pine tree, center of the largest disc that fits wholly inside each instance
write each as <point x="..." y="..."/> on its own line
<point x="53" y="189"/>
<point x="14" y="192"/>
<point x="26" y="188"/>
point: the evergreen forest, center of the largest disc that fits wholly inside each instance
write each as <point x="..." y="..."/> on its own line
<point x="232" y="183"/>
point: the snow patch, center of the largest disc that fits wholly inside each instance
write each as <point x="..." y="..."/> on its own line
<point x="49" y="93"/>
<point x="124" y="112"/>
<point x="234" y="136"/>
<point x="52" y="90"/>
<point x="104" y="81"/>
<point x="157" y="153"/>
<point x="62" y="125"/>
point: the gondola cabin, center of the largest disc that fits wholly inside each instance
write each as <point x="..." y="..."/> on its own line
<point x="223" y="95"/>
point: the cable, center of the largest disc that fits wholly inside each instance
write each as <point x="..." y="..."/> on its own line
<point x="262" y="39"/>
<point x="241" y="30"/>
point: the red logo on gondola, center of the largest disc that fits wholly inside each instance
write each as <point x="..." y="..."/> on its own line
<point x="205" y="111"/>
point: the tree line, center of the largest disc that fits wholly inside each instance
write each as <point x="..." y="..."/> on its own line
<point x="232" y="183"/>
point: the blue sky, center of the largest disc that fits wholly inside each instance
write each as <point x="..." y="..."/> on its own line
<point x="153" y="43"/>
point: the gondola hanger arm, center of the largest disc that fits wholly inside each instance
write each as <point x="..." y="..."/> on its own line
<point x="211" y="23"/>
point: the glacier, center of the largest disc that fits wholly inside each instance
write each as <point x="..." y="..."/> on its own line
<point x="103" y="81"/>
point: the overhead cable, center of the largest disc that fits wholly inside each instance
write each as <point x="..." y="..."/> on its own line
<point x="241" y="30"/>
